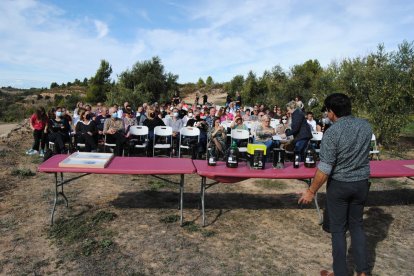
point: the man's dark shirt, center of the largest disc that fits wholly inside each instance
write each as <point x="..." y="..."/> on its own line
<point x="345" y="150"/>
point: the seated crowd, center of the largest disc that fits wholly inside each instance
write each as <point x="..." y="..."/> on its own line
<point x="88" y="127"/>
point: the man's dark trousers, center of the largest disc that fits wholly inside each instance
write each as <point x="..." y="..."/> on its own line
<point x="345" y="202"/>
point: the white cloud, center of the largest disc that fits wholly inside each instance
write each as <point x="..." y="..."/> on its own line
<point x="101" y="28"/>
<point x="41" y="44"/>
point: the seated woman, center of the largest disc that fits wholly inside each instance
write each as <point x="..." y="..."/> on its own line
<point x="129" y="120"/>
<point x="224" y="115"/>
<point x="151" y="122"/>
<point x="264" y="133"/>
<point x="115" y="132"/>
<point x="86" y="131"/>
<point x="238" y="124"/>
<point x="59" y="129"/>
<point x="281" y="132"/>
<point x="217" y="135"/>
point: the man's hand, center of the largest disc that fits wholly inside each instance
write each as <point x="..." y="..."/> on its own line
<point x="307" y="197"/>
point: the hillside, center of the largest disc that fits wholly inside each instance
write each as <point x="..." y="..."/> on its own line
<point x="217" y="96"/>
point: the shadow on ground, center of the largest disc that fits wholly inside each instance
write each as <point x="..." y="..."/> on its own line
<point x="168" y="199"/>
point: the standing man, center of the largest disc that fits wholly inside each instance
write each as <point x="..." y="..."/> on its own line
<point x="210" y="117"/>
<point x="311" y="121"/>
<point x="345" y="165"/>
<point x="238" y="100"/>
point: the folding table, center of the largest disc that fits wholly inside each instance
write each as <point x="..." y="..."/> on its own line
<point x="220" y="173"/>
<point x="121" y="165"/>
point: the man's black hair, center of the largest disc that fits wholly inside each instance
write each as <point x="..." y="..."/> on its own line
<point x="338" y="103"/>
<point x="309" y="112"/>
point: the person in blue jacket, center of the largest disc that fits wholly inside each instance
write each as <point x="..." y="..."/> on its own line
<point x="300" y="129"/>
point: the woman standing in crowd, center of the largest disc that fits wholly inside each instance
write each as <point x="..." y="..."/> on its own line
<point x="38" y="123"/>
<point x="86" y="131"/>
<point x="59" y="128"/>
<point x="300" y="129"/>
<point x="76" y="112"/>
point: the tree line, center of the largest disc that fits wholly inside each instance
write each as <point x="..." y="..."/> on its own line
<point x="380" y="85"/>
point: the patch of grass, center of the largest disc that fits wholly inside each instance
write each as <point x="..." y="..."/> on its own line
<point x="22" y="173"/>
<point x="105" y="243"/>
<point x="271" y="184"/>
<point x="36" y="159"/>
<point x="7" y="224"/>
<point x="3" y="153"/>
<point x="103" y="216"/>
<point x="89" y="246"/>
<point x="156" y="185"/>
<point x="41" y="264"/>
<point x="170" y="219"/>
<point x="84" y="232"/>
<point x="208" y="233"/>
<point x="192" y="227"/>
<point x="72" y="230"/>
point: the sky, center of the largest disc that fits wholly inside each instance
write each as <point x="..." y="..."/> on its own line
<point x="59" y="41"/>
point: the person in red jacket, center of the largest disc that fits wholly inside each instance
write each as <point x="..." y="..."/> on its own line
<point x="38" y="123"/>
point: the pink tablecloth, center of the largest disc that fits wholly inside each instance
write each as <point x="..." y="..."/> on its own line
<point x="379" y="169"/>
<point x="126" y="165"/>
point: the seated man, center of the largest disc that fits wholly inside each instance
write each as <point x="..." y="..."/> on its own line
<point x="114" y="131"/>
<point x="201" y="124"/>
<point x="176" y="124"/>
<point x="100" y="121"/>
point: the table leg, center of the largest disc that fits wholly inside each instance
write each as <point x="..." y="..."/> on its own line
<point x="55" y="201"/>
<point x="318" y="209"/>
<point x="203" y="191"/>
<point x="315" y="199"/>
<point x="61" y="190"/>
<point x="181" y="198"/>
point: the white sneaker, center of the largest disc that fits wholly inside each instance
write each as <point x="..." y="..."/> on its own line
<point x="33" y="152"/>
<point x="42" y="153"/>
<point x="29" y="152"/>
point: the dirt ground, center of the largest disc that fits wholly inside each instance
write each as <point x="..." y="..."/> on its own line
<point x="127" y="225"/>
<point x="6" y="128"/>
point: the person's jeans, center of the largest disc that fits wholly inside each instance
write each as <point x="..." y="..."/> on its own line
<point x="300" y="147"/>
<point x="345" y="204"/>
